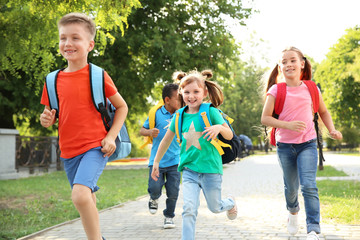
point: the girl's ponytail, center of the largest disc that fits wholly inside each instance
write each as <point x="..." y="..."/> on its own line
<point x="272" y="78"/>
<point x="215" y="93"/>
<point x="177" y="76"/>
<point x="306" y="72"/>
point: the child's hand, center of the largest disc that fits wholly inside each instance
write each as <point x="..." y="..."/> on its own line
<point x="297" y="126"/>
<point x="335" y="134"/>
<point x="108" y="146"/>
<point x="155" y="171"/>
<point x="211" y="132"/>
<point x="154" y="132"/>
<point x="47" y="118"/>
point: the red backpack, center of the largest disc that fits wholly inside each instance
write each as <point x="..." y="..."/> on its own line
<point x="279" y="104"/>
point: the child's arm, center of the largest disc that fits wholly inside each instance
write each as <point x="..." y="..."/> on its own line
<point x="163" y="147"/>
<point x="47" y="118"/>
<point x="268" y="120"/>
<point x="327" y="120"/>
<point x="154" y="132"/>
<point x="214" y="130"/>
<point x="108" y="143"/>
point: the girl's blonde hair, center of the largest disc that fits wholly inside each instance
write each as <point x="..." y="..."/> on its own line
<point x="305" y="73"/>
<point x="81" y="18"/>
<point x="202" y="78"/>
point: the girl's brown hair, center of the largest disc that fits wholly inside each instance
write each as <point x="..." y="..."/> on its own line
<point x="305" y="73"/>
<point x="215" y="93"/>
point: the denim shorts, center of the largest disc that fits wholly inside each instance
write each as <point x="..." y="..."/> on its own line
<point x="86" y="168"/>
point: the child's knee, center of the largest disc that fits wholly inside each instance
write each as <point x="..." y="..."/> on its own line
<point x="81" y="195"/>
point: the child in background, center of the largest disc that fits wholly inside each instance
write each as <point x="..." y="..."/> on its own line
<point x="169" y="175"/>
<point x="84" y="142"/>
<point x="296" y="137"/>
<point x="200" y="161"/>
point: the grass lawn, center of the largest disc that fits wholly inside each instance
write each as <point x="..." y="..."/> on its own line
<point x="31" y="204"/>
<point x="340" y="200"/>
<point x="330" y="171"/>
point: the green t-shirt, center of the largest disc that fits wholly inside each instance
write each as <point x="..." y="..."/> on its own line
<point x="197" y="153"/>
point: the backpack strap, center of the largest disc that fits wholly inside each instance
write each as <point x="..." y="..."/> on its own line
<point x="278" y="107"/>
<point x="315" y="96"/>
<point x="152" y="114"/>
<point x="280" y="99"/>
<point x="178" y="124"/>
<point x="97" y="86"/>
<point x="314" y="92"/>
<point x="51" y="90"/>
<point x="205" y="121"/>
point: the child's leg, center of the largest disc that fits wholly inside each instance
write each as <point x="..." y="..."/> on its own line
<point x="287" y="158"/>
<point x="83" y="200"/>
<point x="307" y="164"/>
<point x="172" y="183"/>
<point x="211" y="186"/>
<point x="191" y="191"/>
<point x="83" y="173"/>
<point x="155" y="187"/>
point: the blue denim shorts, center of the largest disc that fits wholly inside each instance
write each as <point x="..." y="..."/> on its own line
<point x="86" y="168"/>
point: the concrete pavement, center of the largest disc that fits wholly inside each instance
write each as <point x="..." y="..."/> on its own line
<point x="255" y="181"/>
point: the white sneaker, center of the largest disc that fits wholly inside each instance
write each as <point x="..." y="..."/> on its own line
<point x="153" y="206"/>
<point x="169" y="223"/>
<point x="232" y="213"/>
<point x="293" y="224"/>
<point x="312" y="236"/>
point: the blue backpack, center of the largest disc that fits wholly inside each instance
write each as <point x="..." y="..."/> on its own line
<point x="228" y="149"/>
<point x="102" y="105"/>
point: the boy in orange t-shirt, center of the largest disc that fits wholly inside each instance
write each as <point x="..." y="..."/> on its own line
<point x="84" y="143"/>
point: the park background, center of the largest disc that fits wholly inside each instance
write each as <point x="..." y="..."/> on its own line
<point x="141" y="43"/>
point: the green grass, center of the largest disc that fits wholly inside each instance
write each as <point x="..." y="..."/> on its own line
<point x="340" y="201"/>
<point x="330" y="171"/>
<point x="32" y="204"/>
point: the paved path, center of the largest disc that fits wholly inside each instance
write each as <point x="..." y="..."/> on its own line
<point x="256" y="183"/>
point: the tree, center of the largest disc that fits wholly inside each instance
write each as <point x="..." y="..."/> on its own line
<point x="339" y="76"/>
<point x="243" y="100"/>
<point x="28" y="40"/>
<point x="165" y="36"/>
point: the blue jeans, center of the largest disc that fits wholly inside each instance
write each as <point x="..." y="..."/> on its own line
<point x="169" y="177"/>
<point x="193" y="182"/>
<point x="299" y="166"/>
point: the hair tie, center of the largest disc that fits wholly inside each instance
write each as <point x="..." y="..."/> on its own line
<point x="304" y="58"/>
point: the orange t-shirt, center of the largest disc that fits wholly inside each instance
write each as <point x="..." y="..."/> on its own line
<point x="80" y="124"/>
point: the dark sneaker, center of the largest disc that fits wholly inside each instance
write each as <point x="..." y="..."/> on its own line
<point x="169" y="223"/>
<point x="153" y="206"/>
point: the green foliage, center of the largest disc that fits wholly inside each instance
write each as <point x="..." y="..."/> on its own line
<point x="339" y="76"/>
<point x="22" y="212"/>
<point x="28" y="40"/>
<point x="242" y="100"/>
<point x="165" y="36"/>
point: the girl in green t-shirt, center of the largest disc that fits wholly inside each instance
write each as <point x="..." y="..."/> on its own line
<point x="200" y="162"/>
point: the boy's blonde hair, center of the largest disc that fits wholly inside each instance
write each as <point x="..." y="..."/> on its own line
<point x="79" y="18"/>
<point x="203" y="80"/>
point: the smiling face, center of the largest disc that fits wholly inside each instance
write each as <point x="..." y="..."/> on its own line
<point x="291" y="65"/>
<point x="75" y="43"/>
<point x="193" y="94"/>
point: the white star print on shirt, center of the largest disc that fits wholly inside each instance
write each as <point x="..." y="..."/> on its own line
<point x="192" y="137"/>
